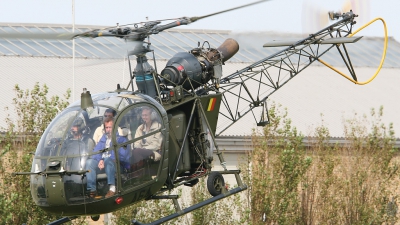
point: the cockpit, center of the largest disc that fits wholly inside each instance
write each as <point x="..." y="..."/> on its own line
<point x="85" y="155"/>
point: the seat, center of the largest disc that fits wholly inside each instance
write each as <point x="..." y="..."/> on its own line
<point x="140" y="172"/>
<point x="101" y="183"/>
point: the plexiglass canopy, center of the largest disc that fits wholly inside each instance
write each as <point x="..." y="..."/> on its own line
<point x="128" y="144"/>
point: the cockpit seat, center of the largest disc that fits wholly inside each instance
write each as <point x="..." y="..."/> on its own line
<point x="101" y="176"/>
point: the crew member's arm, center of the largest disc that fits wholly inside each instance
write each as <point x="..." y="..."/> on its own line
<point x="154" y="141"/>
<point x="138" y="133"/>
<point x="98" y="157"/>
<point x="124" y="152"/>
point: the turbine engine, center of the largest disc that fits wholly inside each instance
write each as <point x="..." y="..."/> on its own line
<point x="196" y="67"/>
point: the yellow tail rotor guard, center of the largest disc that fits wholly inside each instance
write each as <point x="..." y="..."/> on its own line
<point x="382" y="58"/>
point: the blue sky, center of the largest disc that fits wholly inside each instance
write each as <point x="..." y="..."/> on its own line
<point x="274" y="15"/>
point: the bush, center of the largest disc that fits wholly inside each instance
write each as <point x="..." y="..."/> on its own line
<point x="33" y="112"/>
<point x="323" y="183"/>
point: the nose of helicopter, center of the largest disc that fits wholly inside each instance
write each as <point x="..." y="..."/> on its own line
<point x="86" y="151"/>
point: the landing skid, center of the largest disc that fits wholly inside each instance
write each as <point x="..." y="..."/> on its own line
<point x="63" y="220"/>
<point x="216" y="186"/>
<point x="191" y="208"/>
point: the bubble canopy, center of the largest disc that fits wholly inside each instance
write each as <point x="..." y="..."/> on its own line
<point x="123" y="130"/>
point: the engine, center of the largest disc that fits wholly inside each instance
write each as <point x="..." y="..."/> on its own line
<point x="196" y="67"/>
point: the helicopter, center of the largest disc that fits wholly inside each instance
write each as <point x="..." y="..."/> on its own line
<point x="186" y="100"/>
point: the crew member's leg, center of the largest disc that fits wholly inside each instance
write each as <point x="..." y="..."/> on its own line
<point x="92" y="167"/>
<point x="109" y="165"/>
<point x="138" y="154"/>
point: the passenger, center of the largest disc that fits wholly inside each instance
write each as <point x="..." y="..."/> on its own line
<point x="106" y="162"/>
<point x="150" y="145"/>
<point x="99" y="132"/>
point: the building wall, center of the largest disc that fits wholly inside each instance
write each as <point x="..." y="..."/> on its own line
<point x="317" y="96"/>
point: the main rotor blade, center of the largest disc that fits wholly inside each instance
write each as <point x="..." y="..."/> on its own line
<point x="187" y="20"/>
<point x="134" y="34"/>
<point x="36" y="35"/>
<point x="193" y="19"/>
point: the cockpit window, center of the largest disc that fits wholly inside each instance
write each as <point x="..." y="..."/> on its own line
<point x="115" y="101"/>
<point x="143" y="126"/>
<point x="56" y="133"/>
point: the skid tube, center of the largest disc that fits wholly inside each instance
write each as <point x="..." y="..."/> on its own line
<point x="193" y="207"/>
<point x="63" y="220"/>
<point x="225" y="193"/>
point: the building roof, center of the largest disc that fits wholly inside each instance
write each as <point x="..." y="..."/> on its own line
<point x="365" y="53"/>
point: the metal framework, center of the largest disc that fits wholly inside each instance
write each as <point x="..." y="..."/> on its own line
<point x="252" y="85"/>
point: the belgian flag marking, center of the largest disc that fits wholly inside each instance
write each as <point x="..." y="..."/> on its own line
<point x="211" y="104"/>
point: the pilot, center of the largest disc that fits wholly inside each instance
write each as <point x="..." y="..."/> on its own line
<point x="150" y="145"/>
<point x="106" y="161"/>
<point x="78" y="141"/>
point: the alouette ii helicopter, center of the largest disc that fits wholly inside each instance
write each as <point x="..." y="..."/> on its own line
<point x="159" y="133"/>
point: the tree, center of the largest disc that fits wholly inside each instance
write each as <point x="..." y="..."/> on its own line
<point x="33" y="111"/>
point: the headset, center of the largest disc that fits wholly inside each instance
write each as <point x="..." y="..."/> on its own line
<point x="78" y="122"/>
<point x="153" y="114"/>
<point x="82" y="129"/>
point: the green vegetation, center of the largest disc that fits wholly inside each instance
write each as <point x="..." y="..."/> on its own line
<point x="289" y="182"/>
<point x="323" y="183"/>
<point x="33" y="112"/>
<point x="293" y="183"/>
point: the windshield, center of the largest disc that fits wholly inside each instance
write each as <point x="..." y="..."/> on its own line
<point x="90" y="152"/>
